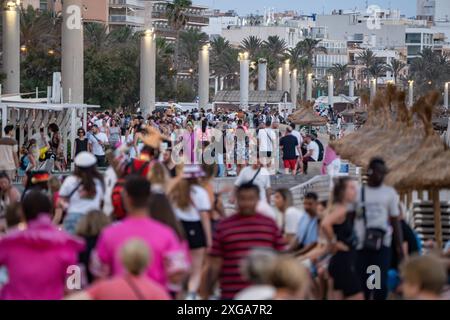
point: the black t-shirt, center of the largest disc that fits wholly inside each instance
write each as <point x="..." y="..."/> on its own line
<point x="289" y="143"/>
<point x="408" y="236"/>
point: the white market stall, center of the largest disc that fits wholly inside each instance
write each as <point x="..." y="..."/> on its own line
<point x="29" y="116"/>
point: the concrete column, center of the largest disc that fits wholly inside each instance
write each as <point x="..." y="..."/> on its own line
<point x="294" y="87"/>
<point x="262" y="75"/>
<point x="11" y="48"/>
<point x="280" y="79"/>
<point x="309" y="87"/>
<point x="446" y="95"/>
<point x="72" y="51"/>
<point x="244" y="79"/>
<point x="221" y="83"/>
<point x="410" y="93"/>
<point x="203" y="77"/>
<point x="373" y="89"/>
<point x="330" y="90"/>
<point x="216" y="84"/>
<point x="287" y="76"/>
<point x="148" y="67"/>
<point x="351" y="88"/>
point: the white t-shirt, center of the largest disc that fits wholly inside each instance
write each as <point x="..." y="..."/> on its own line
<point x="292" y="218"/>
<point x="110" y="179"/>
<point x="77" y="203"/>
<point x="262" y="180"/>
<point x="380" y="203"/>
<point x="297" y="134"/>
<point x="97" y="149"/>
<point x="266" y="139"/>
<point x="200" y="201"/>
<point x="315" y="150"/>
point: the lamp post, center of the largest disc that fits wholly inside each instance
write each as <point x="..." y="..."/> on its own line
<point x="330" y="91"/>
<point x="286" y="76"/>
<point x="11" y="47"/>
<point x="410" y="93"/>
<point x="309" y="87"/>
<point x="280" y="79"/>
<point x="203" y="81"/>
<point x="147" y="76"/>
<point x="244" y="79"/>
<point x="72" y="52"/>
<point x="446" y="96"/>
<point x="294" y="87"/>
<point x="262" y="75"/>
<point x="373" y="89"/>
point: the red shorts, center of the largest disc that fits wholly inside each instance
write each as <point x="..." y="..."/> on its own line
<point x="290" y="164"/>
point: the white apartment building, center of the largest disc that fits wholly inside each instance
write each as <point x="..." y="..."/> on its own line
<point x="336" y="54"/>
<point x="355" y="27"/>
<point x="433" y="10"/>
<point x="417" y="39"/>
<point x="132" y="13"/>
<point x="217" y="24"/>
<point x="235" y="34"/>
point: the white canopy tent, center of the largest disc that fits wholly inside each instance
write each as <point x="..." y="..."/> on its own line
<point x="29" y="117"/>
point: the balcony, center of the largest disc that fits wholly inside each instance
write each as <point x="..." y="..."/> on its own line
<point x="124" y="19"/>
<point x="126" y="3"/>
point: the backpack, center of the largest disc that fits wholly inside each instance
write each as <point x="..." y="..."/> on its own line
<point x="321" y="150"/>
<point x="119" y="211"/>
<point x="24" y="163"/>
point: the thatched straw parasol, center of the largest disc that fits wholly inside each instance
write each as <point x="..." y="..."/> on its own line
<point x="433" y="176"/>
<point x="307" y="117"/>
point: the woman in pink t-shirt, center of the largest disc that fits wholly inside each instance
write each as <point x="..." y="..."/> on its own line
<point x="133" y="284"/>
<point x="38" y="258"/>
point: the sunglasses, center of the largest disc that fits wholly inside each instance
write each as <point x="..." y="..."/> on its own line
<point x="80" y="132"/>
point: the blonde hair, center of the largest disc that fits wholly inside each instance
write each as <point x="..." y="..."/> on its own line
<point x="157" y="174"/>
<point x="135" y="256"/>
<point x="290" y="274"/>
<point x="258" y="266"/>
<point x="92" y="224"/>
<point x="428" y="272"/>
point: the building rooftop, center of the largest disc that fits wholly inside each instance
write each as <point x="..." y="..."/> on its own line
<point x="254" y="97"/>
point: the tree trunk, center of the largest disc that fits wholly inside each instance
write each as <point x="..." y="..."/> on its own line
<point x="176" y="60"/>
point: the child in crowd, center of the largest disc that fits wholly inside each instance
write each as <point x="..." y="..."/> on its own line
<point x="89" y="229"/>
<point x="423" y="278"/>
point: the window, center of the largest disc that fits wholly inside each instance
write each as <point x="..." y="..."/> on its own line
<point x="413" y="50"/>
<point x="413" y="38"/>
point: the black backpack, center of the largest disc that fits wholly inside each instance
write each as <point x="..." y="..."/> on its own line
<point x="321" y="150"/>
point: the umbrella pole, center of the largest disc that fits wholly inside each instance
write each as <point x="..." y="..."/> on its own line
<point x="437" y="217"/>
<point x="420" y="194"/>
<point x="408" y="199"/>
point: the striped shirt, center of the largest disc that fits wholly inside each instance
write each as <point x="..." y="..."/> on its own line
<point x="235" y="237"/>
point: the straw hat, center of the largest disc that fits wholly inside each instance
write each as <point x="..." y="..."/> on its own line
<point x="152" y="137"/>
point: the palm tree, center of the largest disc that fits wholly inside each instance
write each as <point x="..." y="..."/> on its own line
<point x="367" y="58"/>
<point x="309" y="48"/>
<point x="39" y="30"/>
<point x="252" y="45"/>
<point x="376" y="70"/>
<point x="191" y="41"/>
<point x="396" y="66"/>
<point x="275" y="47"/>
<point x="96" y="36"/>
<point x="176" y="15"/>
<point x="224" y="59"/>
<point x="430" y="71"/>
<point x="339" y="72"/>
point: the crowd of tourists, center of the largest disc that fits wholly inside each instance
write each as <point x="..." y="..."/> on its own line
<point x="141" y="218"/>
